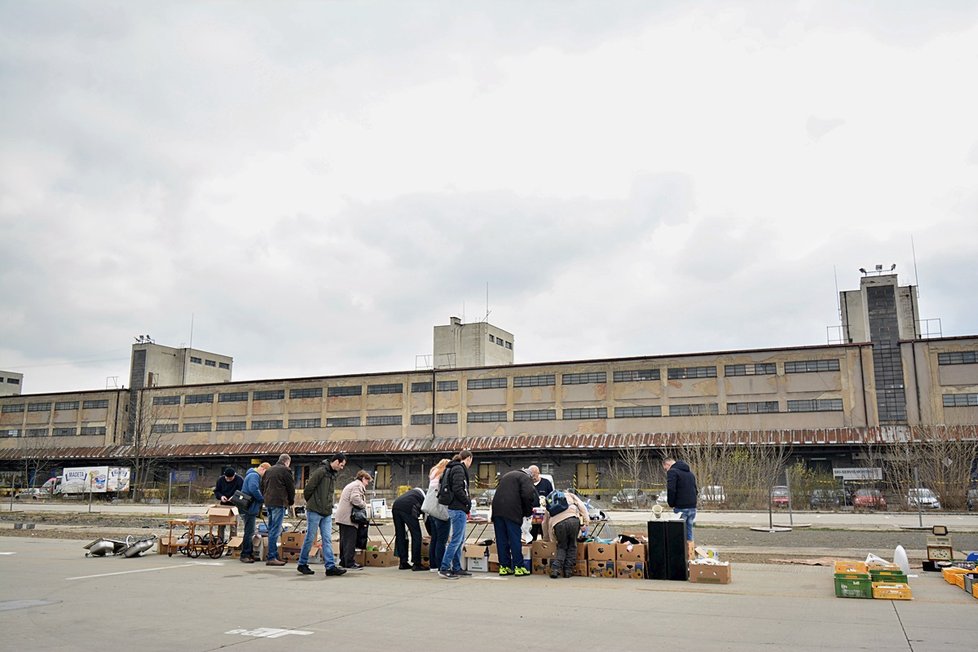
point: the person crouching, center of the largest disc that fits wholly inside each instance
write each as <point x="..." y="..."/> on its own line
<point x="564" y="527"/>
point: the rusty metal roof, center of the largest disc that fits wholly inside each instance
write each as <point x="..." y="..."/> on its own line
<point x="507" y="444"/>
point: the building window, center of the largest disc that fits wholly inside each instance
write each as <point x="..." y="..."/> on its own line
<point x="638" y="411"/>
<point x="753" y="407"/>
<point x="37" y="432"/>
<point x="224" y="365"/>
<point x="306" y="392"/>
<point x="765" y="369"/>
<point x="197" y="427"/>
<point x="95" y="405"/>
<point x="810" y="366"/>
<point x="486" y="383"/>
<point x="232" y="397"/>
<point x="93" y="430"/>
<point x="421" y="388"/>
<point x="196" y="360"/>
<point x="485" y="417"/>
<point x="38" y="407"/>
<point x="266" y="424"/>
<point x="224" y="426"/>
<point x="499" y="342"/>
<point x="693" y="410"/>
<point x="958" y="357"/>
<point x="447" y="385"/>
<point x="166" y="400"/>
<point x="535" y="381"/>
<point x="577" y="414"/>
<point x="66" y="405"/>
<point x="448" y="417"/>
<point x="343" y="422"/>
<point x="816" y="405"/>
<point x="636" y="375"/>
<point x="420" y="419"/>
<point x="389" y="388"/>
<point x="682" y="373"/>
<point x="584" y="378"/>
<point x="534" y="415"/>
<point x="210" y="363"/>
<point x="11" y="408"/>
<point x="64" y="432"/>
<point x="13" y="381"/>
<point x="305" y="423"/>
<point x="384" y="420"/>
<point x="161" y="428"/>
<point x="268" y="395"/>
<point x="492" y="338"/>
<point x="10" y="432"/>
<point x="191" y="399"/>
<point x="349" y="390"/>
<point x="960" y="400"/>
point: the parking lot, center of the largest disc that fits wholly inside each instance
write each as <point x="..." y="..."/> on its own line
<point x="53" y="598"/>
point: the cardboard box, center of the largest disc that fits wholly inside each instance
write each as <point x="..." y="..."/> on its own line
<point x="294" y="539"/>
<point x="710" y="573"/>
<point x="540" y="565"/>
<point x="601" y="568"/>
<point x="630" y="570"/>
<point x="629" y="552"/>
<point x="581" y="551"/>
<point x="477" y="564"/>
<point x="600" y="551"/>
<point x="543" y="549"/>
<point x="288" y="553"/>
<point x="222" y="515"/>
<point x="379" y="558"/>
<point x="580" y="569"/>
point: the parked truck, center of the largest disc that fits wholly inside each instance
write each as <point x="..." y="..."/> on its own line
<point x="109" y="481"/>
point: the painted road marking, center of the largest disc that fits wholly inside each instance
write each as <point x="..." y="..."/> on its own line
<point x="269" y="632"/>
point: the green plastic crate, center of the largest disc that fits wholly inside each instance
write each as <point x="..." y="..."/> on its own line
<point x="893" y="577"/>
<point x="850" y="588"/>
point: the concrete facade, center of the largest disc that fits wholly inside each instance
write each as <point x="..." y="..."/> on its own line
<point x="11" y="383"/>
<point x="479" y="344"/>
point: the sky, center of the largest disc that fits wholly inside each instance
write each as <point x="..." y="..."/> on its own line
<point x="311" y="187"/>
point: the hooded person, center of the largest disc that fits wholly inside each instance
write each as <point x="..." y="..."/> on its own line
<point x="681" y="495"/>
<point x="514" y="500"/>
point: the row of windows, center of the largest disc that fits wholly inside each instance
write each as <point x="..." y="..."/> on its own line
<point x="12" y="381"/>
<point x="442" y="385"/>
<point x="56" y="432"/>
<point x="961" y="400"/>
<point x="958" y="357"/>
<point x="681" y="373"/>
<point x="10" y="408"/>
<point x="500" y="341"/>
<point x="210" y="363"/>
<point x="757" y="369"/>
<point x="810" y="366"/>
<point x="535" y="381"/>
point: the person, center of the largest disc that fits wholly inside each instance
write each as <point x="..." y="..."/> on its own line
<point x="278" y="487"/>
<point x="514" y="500"/>
<point x="252" y="487"/>
<point x="437" y="523"/>
<point x="457" y="478"/>
<point x="544" y="488"/>
<point x="319" y="492"/>
<point x="406" y="511"/>
<point x="681" y="496"/>
<point x="564" y="528"/>
<point x="353" y="495"/>
<point x="227" y="484"/>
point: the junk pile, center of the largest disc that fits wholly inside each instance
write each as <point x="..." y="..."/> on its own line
<point x="876" y="579"/>
<point x="130" y="547"/>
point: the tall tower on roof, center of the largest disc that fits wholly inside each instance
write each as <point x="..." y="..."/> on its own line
<point x="479" y="344"/>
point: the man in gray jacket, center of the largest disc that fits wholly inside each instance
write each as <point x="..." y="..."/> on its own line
<point x="319" y="492"/>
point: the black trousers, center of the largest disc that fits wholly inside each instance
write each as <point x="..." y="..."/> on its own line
<point x="404" y="522"/>
<point x="536" y="530"/>
<point x="348" y="545"/>
<point x="566" y="534"/>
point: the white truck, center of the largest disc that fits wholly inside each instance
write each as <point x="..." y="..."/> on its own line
<point x="81" y="480"/>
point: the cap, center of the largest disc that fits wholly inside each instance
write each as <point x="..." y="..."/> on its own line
<point x="228" y="471"/>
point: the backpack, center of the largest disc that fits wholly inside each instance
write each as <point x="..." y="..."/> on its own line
<point x="445" y="493"/>
<point x="556" y="503"/>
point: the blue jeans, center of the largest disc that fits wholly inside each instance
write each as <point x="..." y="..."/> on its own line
<point x="248" y="548"/>
<point x="440" y="531"/>
<point x="690" y="515"/>
<point x="324" y="525"/>
<point x="509" y="542"/>
<point x="275" y="517"/>
<point x="452" y="559"/>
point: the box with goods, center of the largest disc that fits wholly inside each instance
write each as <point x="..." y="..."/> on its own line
<point x="541" y="552"/>
<point x="706" y="570"/>
<point x="475" y="558"/>
<point x="601" y="568"/>
<point x="630" y="570"/>
<point x="222" y="515"/>
<point x="886" y="572"/>
<point x="377" y="555"/>
<point x="852" y="580"/>
<point x="892" y="591"/>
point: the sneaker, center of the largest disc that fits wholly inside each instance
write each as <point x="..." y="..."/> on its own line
<point x="462" y="573"/>
<point x="447" y="575"/>
<point x="418" y="567"/>
<point x="554" y="574"/>
<point x="335" y="571"/>
<point x="404" y="567"/>
<point x="435" y="570"/>
<point x="247" y="560"/>
<point x="275" y="562"/>
<point x="305" y="570"/>
<point x="354" y="566"/>
<point x="568" y="572"/>
<point x="505" y="570"/>
<point x="520" y="571"/>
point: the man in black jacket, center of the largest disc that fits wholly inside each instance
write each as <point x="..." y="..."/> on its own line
<point x="681" y="495"/>
<point x="514" y="500"/>
<point x="459" y="505"/>
<point x="406" y="511"/>
<point x="544" y="488"/>
<point x="278" y="487"/>
<point x="226" y="485"/>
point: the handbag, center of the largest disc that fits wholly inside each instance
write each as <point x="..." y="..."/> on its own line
<point x="359" y="516"/>
<point x="241" y="500"/>
<point x="432" y="507"/>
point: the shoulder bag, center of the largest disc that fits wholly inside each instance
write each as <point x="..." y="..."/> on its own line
<point x="241" y="500"/>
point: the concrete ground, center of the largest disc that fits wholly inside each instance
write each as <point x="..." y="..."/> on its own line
<point x="53" y="598"/>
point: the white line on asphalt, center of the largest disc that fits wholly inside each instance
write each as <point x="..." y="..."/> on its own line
<point x="8" y="553"/>
<point x="139" y="570"/>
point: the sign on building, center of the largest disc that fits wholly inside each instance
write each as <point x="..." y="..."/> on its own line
<point x="858" y="473"/>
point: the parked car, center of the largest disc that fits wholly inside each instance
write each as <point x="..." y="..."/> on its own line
<point x="972" y="499"/>
<point x="780" y="496"/>
<point x="826" y="499"/>
<point x="712" y="494"/>
<point x="32" y="494"/>
<point x="925" y="498"/>
<point x="869" y="499"/>
<point x="485" y="498"/>
<point x="631" y="497"/>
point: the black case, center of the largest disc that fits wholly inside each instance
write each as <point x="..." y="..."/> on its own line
<point x="667" y="551"/>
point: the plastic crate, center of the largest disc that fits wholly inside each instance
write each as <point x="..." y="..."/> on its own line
<point x="851" y="568"/>
<point x="892" y="591"/>
<point x="893" y="577"/>
<point x="853" y="588"/>
<point x="952" y="575"/>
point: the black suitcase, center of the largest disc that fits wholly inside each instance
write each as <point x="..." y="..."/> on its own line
<point x="667" y="551"/>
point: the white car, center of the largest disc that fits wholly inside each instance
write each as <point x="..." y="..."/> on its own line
<point x="922" y="497"/>
<point x="713" y="494"/>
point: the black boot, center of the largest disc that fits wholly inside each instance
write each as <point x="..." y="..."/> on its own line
<point x="569" y="569"/>
<point x="554" y="570"/>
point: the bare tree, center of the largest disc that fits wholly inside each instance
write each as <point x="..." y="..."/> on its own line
<point x="631" y="468"/>
<point x="152" y="426"/>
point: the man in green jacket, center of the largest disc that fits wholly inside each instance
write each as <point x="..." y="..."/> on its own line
<point x="319" y="492"/>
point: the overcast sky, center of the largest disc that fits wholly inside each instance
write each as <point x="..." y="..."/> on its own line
<point x="316" y="185"/>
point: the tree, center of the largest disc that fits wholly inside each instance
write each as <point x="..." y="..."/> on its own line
<point x="152" y="425"/>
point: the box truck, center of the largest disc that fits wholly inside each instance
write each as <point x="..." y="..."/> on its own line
<point x="80" y="480"/>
